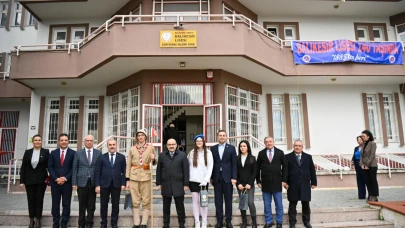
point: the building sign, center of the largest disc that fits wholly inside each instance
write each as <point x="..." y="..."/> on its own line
<point x="178" y="39"/>
<point x="337" y="51"/>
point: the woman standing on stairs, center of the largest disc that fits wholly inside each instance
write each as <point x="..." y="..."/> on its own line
<point x="369" y="165"/>
<point x="201" y="164"/>
<point x="33" y="174"/>
<point x="139" y="177"/>
<point x="247" y="169"/>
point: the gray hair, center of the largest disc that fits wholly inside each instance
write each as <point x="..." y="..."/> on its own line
<point x="268" y="137"/>
<point x="298" y="140"/>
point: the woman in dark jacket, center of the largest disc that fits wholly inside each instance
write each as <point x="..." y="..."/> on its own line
<point x="247" y="169"/>
<point x="34" y="171"/>
<point x="361" y="183"/>
<point x="368" y="163"/>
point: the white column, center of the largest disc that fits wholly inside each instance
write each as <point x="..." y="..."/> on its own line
<point x="34" y="117"/>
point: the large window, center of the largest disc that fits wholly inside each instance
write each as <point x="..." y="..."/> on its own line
<point x="8" y="132"/>
<point x="72" y="119"/>
<point x="281" y="113"/>
<point x="243" y="113"/>
<point x="17" y="13"/>
<point x="284" y="30"/>
<point x="371" y="31"/>
<point x="52" y="122"/>
<point x="125" y="117"/>
<point x="3" y="11"/>
<point x="375" y="117"/>
<point x="91" y="118"/>
<point x="169" y="8"/>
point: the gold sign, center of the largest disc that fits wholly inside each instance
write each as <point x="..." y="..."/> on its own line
<point x="178" y="39"/>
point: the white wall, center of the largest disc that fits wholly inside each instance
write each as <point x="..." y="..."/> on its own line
<point x="33" y="124"/>
<point x="22" y="132"/>
<point x="329" y="28"/>
<point x="335" y="115"/>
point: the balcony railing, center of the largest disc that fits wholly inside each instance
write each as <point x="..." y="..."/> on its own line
<point x="5" y="75"/>
<point x="180" y="19"/>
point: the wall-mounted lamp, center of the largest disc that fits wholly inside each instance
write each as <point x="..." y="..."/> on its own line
<point x="63" y="83"/>
<point x="182" y="64"/>
<point x="210" y="75"/>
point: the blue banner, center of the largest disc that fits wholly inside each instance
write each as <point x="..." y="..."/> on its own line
<point x="337" y="51"/>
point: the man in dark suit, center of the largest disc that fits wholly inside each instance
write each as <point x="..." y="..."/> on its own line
<point x="172" y="178"/>
<point x="60" y="166"/>
<point x="109" y="175"/>
<point x="271" y="175"/>
<point x="301" y="178"/>
<point x="224" y="176"/>
<point x="83" y="181"/>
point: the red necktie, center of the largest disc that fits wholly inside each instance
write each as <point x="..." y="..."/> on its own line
<point x="62" y="158"/>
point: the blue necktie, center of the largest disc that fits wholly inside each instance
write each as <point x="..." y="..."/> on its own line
<point x="112" y="160"/>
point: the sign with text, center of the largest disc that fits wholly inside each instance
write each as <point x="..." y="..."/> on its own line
<point x="336" y="51"/>
<point x="178" y="39"/>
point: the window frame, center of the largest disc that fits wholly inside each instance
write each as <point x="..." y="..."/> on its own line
<point x="17" y="13"/>
<point x="87" y="111"/>
<point x="280" y="108"/>
<point x="281" y="29"/>
<point x="69" y="28"/>
<point x="391" y="125"/>
<point x="50" y="111"/>
<point x="163" y="13"/>
<point x="370" y="29"/>
<point x="3" y="12"/>
<point x="67" y="122"/>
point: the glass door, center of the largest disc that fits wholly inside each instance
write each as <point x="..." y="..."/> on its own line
<point x="153" y="119"/>
<point x="212" y="122"/>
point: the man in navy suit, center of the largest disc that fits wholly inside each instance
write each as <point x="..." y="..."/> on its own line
<point x="83" y="181"/>
<point x="223" y="178"/>
<point x="60" y="166"/>
<point x="110" y="179"/>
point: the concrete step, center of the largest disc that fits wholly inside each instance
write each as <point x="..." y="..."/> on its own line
<point x="320" y="217"/>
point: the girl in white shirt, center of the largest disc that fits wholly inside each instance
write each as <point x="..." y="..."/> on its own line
<point x="201" y="164"/>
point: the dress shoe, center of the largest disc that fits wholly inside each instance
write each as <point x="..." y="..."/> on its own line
<point x="89" y="226"/>
<point x="229" y="225"/>
<point x="62" y="225"/>
<point x="181" y="225"/>
<point x="279" y="225"/>
<point x="166" y="225"/>
<point x="135" y="226"/>
<point x="103" y="226"/>
<point x="307" y="225"/>
<point x="55" y="226"/>
<point x="143" y="226"/>
<point x="114" y="226"/>
<point x="292" y="225"/>
<point x="268" y="225"/>
<point x="219" y="225"/>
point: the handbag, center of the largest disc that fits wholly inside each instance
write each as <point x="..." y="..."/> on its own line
<point x="128" y="202"/>
<point x="48" y="180"/>
<point x="203" y="197"/>
<point x="243" y="200"/>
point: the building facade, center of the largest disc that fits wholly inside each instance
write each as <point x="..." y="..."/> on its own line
<point x="98" y="67"/>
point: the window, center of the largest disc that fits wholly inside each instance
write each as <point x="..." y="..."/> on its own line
<point x="31" y="20"/>
<point x="283" y="30"/>
<point x="65" y="34"/>
<point x="18" y="13"/>
<point x="72" y="119"/>
<point x="3" y="18"/>
<point x="279" y="119"/>
<point x="371" y="31"/>
<point x="389" y="115"/>
<point x="8" y="132"/>
<point x="243" y="113"/>
<point x="52" y="122"/>
<point x="125" y="117"/>
<point x="137" y="11"/>
<point x="59" y="38"/>
<point x="297" y="126"/>
<point x="400" y="30"/>
<point x="91" y="118"/>
<point x="77" y="35"/>
<point x="168" y="8"/>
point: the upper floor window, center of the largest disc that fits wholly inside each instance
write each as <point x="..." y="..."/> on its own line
<point x="283" y="30"/>
<point x="400" y="31"/>
<point x="31" y="20"/>
<point x="169" y="8"/>
<point x="17" y="13"/>
<point x="4" y="9"/>
<point x="59" y="34"/>
<point x="136" y="11"/>
<point x="371" y="31"/>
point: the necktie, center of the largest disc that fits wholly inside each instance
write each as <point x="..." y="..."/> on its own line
<point x="299" y="159"/>
<point x="171" y="154"/>
<point x="112" y="160"/>
<point x="88" y="156"/>
<point x="62" y="158"/>
<point x="270" y="157"/>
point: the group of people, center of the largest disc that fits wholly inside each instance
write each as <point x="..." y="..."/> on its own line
<point x="223" y="167"/>
<point x="91" y="172"/>
<point x="365" y="163"/>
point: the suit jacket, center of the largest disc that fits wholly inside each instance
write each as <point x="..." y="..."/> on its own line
<point x="270" y="175"/>
<point x="228" y="164"/>
<point x="104" y="175"/>
<point x="56" y="170"/>
<point x="82" y="169"/>
<point x="172" y="173"/>
<point x="368" y="157"/>
<point x="300" y="177"/>
<point x="29" y="175"/>
<point x="355" y="149"/>
<point x="247" y="173"/>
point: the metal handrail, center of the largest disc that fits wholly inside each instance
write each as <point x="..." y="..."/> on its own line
<point x="5" y="74"/>
<point x="18" y="48"/>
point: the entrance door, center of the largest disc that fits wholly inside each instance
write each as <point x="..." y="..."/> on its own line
<point x="8" y="135"/>
<point x="153" y="118"/>
<point x="212" y="122"/>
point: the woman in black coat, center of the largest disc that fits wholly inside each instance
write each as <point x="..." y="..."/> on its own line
<point x="368" y="163"/>
<point x="247" y="169"/>
<point x="361" y="183"/>
<point x="34" y="171"/>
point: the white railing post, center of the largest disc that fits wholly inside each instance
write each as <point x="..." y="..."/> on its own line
<point x="18" y="50"/>
<point x="69" y="48"/>
<point x="78" y="45"/>
<point x="341" y="167"/>
<point x="250" y="24"/>
<point x="233" y="20"/>
<point x="106" y="25"/>
<point x="15" y="170"/>
<point x="123" y="21"/>
<point x="9" y="176"/>
<point x="389" y="165"/>
<point x="178" y="20"/>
